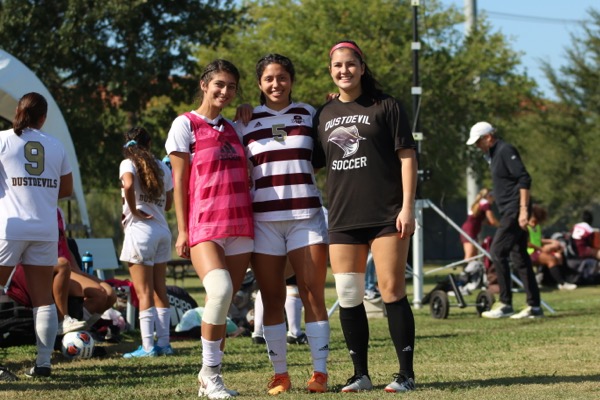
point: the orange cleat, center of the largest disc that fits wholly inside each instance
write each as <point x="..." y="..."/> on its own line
<point x="317" y="383"/>
<point x="280" y="383"/>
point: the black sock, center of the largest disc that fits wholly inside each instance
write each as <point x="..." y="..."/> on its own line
<point x="556" y="275"/>
<point x="401" y="323"/>
<point x="356" y="333"/>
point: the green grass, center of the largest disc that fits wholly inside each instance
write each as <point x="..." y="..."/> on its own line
<point x="462" y="357"/>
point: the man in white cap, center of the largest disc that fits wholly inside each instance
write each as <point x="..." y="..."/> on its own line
<point x="511" y="188"/>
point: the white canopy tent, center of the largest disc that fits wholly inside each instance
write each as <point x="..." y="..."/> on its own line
<point x="15" y="81"/>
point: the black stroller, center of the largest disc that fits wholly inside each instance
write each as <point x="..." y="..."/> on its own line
<point x="476" y="275"/>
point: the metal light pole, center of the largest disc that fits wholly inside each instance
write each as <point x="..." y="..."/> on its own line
<point x="471" y="175"/>
<point x="416" y="91"/>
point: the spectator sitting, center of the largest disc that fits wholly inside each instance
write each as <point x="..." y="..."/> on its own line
<point x="480" y="212"/>
<point x="68" y="280"/>
<point x="98" y="296"/>
<point x="546" y="252"/>
<point x="584" y="237"/>
<point x="18" y="292"/>
<point x="584" y="249"/>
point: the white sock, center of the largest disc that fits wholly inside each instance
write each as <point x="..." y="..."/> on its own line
<point x="259" y="312"/>
<point x="45" y="320"/>
<point x="293" y="312"/>
<point x="147" y="328"/>
<point x="163" y="325"/>
<point x="277" y="346"/>
<point x="211" y="353"/>
<point x="318" y="340"/>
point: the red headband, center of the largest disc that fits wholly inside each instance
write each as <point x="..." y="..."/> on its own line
<point x="346" y="44"/>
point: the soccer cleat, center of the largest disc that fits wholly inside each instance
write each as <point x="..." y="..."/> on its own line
<point x="38" y="372"/>
<point x="317" y="383"/>
<point x="140" y="352"/>
<point x="529" y="312"/>
<point x="499" y="310"/>
<point x="258" y="340"/>
<point x="165" y="350"/>
<point x="213" y="388"/>
<point x="358" y="383"/>
<point x="567" y="286"/>
<point x="300" y="339"/>
<point x="280" y="383"/>
<point x="69" y="324"/>
<point x="6" y="375"/>
<point x="400" y="384"/>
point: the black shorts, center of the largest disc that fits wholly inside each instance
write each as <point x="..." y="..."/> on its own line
<point x="360" y="236"/>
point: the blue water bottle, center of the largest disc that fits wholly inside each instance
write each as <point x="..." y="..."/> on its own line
<point x="88" y="263"/>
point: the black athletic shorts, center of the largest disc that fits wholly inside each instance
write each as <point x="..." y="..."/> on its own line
<point x="360" y="236"/>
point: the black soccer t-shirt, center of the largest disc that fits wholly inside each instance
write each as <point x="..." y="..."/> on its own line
<point x="359" y="140"/>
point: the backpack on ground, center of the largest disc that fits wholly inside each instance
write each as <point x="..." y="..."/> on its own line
<point x="16" y="324"/>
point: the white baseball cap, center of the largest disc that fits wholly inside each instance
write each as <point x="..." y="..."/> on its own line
<point x="478" y="130"/>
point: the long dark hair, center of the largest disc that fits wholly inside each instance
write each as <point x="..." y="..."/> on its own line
<point x="274" y="58"/>
<point x="31" y="109"/>
<point x="369" y="85"/>
<point x="217" y="66"/>
<point x="137" y="149"/>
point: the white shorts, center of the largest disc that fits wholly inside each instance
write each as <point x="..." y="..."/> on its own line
<point x="27" y="252"/>
<point x="277" y="238"/>
<point x="146" y="243"/>
<point x="235" y="245"/>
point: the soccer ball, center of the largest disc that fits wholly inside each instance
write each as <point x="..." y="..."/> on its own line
<point x="76" y="345"/>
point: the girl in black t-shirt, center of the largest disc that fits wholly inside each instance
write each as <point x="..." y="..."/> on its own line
<point x="365" y="142"/>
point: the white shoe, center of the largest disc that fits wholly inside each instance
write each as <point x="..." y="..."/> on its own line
<point x="357" y="384"/>
<point x="529" y="312"/>
<point x="567" y="286"/>
<point x="372" y="294"/>
<point x="499" y="310"/>
<point x="213" y="388"/>
<point x="69" y="324"/>
<point x="400" y="384"/>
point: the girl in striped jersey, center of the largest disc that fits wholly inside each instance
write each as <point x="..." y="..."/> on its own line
<point x="288" y="218"/>
<point x="213" y="207"/>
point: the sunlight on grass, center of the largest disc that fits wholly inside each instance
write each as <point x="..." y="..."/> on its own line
<point x="462" y="357"/>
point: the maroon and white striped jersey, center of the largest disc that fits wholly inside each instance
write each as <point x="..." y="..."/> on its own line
<point x="279" y="146"/>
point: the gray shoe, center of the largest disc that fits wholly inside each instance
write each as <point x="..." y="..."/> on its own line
<point x="567" y="286"/>
<point x="38" y="372"/>
<point x="529" y="312"/>
<point x="6" y="375"/>
<point x="499" y="310"/>
<point x="358" y="383"/>
<point x="400" y="384"/>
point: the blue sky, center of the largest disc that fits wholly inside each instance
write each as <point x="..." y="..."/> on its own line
<point x="539" y="28"/>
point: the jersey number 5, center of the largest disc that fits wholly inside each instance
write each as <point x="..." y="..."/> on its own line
<point x="279" y="133"/>
<point x="34" y="153"/>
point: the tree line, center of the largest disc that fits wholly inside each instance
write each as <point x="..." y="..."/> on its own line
<point x="111" y="65"/>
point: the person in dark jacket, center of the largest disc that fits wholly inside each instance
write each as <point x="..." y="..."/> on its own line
<point x="512" y="184"/>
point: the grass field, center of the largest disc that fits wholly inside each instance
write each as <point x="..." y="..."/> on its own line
<point x="462" y="357"/>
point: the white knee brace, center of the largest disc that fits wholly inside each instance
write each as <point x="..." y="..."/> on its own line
<point x="219" y="292"/>
<point x="350" y="288"/>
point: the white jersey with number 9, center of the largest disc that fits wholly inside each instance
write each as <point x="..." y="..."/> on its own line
<point x="31" y="166"/>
